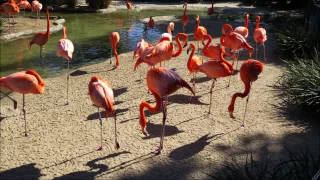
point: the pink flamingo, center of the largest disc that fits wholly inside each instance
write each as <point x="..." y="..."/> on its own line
<point x="215" y="69"/>
<point x="114" y="40"/>
<point x="24" y="5"/>
<point x="141" y="46"/>
<point x="193" y="61"/>
<point x="36" y="6"/>
<point x="101" y="94"/>
<point x="249" y="72"/>
<point x="170" y="30"/>
<point x="199" y="31"/>
<point x="65" y="50"/>
<point x="243" y="30"/>
<point x="185" y="17"/>
<point x="24" y="82"/>
<point x="260" y="36"/>
<point x="161" y="82"/>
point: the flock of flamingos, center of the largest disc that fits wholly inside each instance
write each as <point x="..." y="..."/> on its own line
<point x="161" y="81"/>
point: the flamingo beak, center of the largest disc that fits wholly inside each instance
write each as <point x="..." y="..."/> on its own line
<point x="203" y="43"/>
<point x="185" y="45"/>
<point x="187" y="51"/>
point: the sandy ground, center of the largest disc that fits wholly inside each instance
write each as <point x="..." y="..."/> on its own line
<point x="64" y="139"/>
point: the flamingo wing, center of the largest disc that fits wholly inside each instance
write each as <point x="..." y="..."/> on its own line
<point x="65" y="48"/>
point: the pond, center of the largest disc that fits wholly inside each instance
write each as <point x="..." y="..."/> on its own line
<point x="90" y="35"/>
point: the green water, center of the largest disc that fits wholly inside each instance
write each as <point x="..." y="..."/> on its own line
<point x="89" y="33"/>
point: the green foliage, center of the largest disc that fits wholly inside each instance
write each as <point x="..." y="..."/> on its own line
<point x="99" y="4"/>
<point x="301" y="83"/>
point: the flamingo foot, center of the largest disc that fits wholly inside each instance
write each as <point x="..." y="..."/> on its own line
<point x="117" y="145"/>
<point x="99" y="148"/>
<point x="231" y="114"/>
<point x="242" y="126"/>
<point x="26" y="135"/>
<point x="158" y="150"/>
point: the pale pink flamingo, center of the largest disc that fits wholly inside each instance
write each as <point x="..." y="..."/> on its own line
<point x="170" y="30"/>
<point x="260" y="36"/>
<point x="24" y="5"/>
<point x="101" y="94"/>
<point x="65" y="50"/>
<point x="141" y="46"/>
<point x="36" y="6"/>
<point x="243" y="30"/>
<point x="161" y="82"/>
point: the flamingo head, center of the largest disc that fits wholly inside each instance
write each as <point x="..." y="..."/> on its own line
<point x="185" y="4"/>
<point x="94" y="79"/>
<point x="49" y="8"/>
<point x="222" y="50"/>
<point x="197" y="19"/>
<point x="257" y="19"/>
<point x="139" y="61"/>
<point x="191" y="47"/>
<point x="225" y="27"/>
<point x="250" y="50"/>
<point x="171" y="25"/>
<point x="206" y="36"/>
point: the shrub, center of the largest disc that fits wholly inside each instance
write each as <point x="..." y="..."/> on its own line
<point x="99" y="4"/>
<point x="301" y="84"/>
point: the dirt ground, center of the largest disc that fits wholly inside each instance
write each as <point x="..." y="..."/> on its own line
<point x="64" y="139"/>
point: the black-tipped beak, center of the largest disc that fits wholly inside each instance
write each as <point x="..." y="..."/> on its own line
<point x="185" y="45"/>
<point x="187" y="51"/>
<point x="145" y="134"/>
<point x="15" y="104"/>
<point x="172" y="31"/>
<point x="203" y="43"/>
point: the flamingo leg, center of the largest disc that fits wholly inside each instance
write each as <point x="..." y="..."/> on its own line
<point x="257" y="51"/>
<point x="163" y="128"/>
<point x="68" y="76"/>
<point x="212" y="86"/>
<point x="245" y="110"/>
<point x="111" y="56"/>
<point x="264" y="52"/>
<point x="194" y="82"/>
<point x="238" y="54"/>
<point x="183" y="27"/>
<point x="198" y="47"/>
<point x="24" y="116"/>
<point x="15" y="104"/>
<point x="117" y="146"/>
<point x="100" y="147"/>
<point x="24" y="16"/>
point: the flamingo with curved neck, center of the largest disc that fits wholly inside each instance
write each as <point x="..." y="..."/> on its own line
<point x="193" y="61"/>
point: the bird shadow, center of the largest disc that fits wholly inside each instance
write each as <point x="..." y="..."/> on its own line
<point x="112" y="69"/>
<point x="127" y="120"/>
<point x="27" y="171"/>
<point x="95" y="116"/>
<point x="201" y="79"/>
<point x="184" y="99"/>
<point x="78" y="73"/>
<point x="119" y="91"/>
<point x="95" y="169"/>
<point x="189" y="150"/>
<point x="154" y="130"/>
<point x="194" y="118"/>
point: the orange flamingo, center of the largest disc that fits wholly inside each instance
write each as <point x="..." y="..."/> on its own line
<point x="114" y="40"/>
<point x="65" y="50"/>
<point x="215" y="69"/>
<point x="9" y="8"/>
<point x="243" y="30"/>
<point x="101" y="94"/>
<point x="249" y="72"/>
<point x="24" y="82"/>
<point x="161" y="82"/>
<point x="36" y="6"/>
<point x="185" y="17"/>
<point x="170" y="30"/>
<point x="213" y="51"/>
<point x="210" y="10"/>
<point x="162" y="51"/>
<point x="141" y="46"/>
<point x="129" y="5"/>
<point x="193" y="61"/>
<point x="151" y="22"/>
<point x="42" y="38"/>
<point x="199" y="32"/>
<point x="260" y="36"/>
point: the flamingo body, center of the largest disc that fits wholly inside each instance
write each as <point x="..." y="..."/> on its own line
<point x="114" y="40"/>
<point x="24" y="5"/>
<point x="170" y="29"/>
<point x="243" y="30"/>
<point x="151" y="22"/>
<point x="65" y="46"/>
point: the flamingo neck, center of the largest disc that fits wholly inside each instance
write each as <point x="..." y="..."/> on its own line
<point x="208" y="43"/>
<point x="48" y="25"/>
<point x="114" y="50"/>
<point x="212" y="4"/>
<point x="246" y="22"/>
<point x="257" y="24"/>
<point x="189" y="64"/>
<point x="64" y="34"/>
<point x="152" y="109"/>
<point x="179" y="46"/>
<point x="169" y="29"/>
<point x="247" y="86"/>
<point x="226" y="62"/>
<point x="185" y="9"/>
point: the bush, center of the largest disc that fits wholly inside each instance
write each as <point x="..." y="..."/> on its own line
<point x="99" y="4"/>
<point x="301" y="84"/>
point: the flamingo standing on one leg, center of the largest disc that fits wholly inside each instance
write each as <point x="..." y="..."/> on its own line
<point x="249" y="72"/>
<point x="36" y="6"/>
<point x="210" y="10"/>
<point x="193" y="61"/>
<point x="24" y="5"/>
<point x="42" y="38"/>
<point x="9" y="8"/>
<point x="199" y="32"/>
<point x="24" y="82"/>
<point x="114" y="40"/>
<point x="65" y="49"/>
<point x="260" y="36"/>
<point x="215" y="69"/>
<point x="151" y="22"/>
<point x="101" y="95"/>
<point x="170" y="30"/>
<point x="185" y="17"/>
<point x="161" y="82"/>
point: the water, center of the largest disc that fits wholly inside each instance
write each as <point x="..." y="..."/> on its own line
<point x="89" y="33"/>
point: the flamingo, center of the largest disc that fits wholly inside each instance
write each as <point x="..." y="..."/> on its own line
<point x="199" y="32"/>
<point x="185" y="17"/>
<point x="162" y="51"/>
<point x="234" y="41"/>
<point x="42" y="38"/>
<point x="65" y="50"/>
<point x="101" y="94"/>
<point x="36" y="6"/>
<point x="129" y="5"/>
<point x="249" y="72"/>
<point x="193" y="61"/>
<point x="141" y="46"/>
<point x="210" y="10"/>
<point x="114" y="40"/>
<point x="215" y="69"/>
<point x="260" y="36"/>
<point x="212" y="51"/>
<point x="170" y="30"/>
<point x="24" y="5"/>
<point x="243" y="30"/>
<point x="161" y="82"/>
<point x="151" y="22"/>
<point x="9" y="8"/>
<point x="24" y="82"/>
